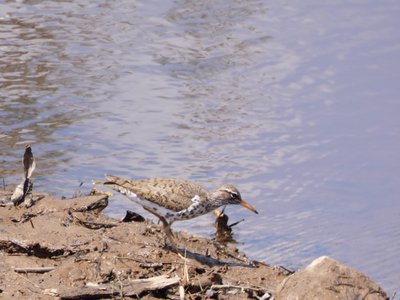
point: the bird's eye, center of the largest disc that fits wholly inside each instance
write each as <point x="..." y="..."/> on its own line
<point x="234" y="195"/>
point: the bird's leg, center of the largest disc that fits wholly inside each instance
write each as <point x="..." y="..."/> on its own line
<point x="166" y="226"/>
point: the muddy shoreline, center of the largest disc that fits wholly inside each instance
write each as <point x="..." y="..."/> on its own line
<point x="68" y="249"/>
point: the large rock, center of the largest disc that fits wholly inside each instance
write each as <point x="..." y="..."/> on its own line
<point x="328" y="279"/>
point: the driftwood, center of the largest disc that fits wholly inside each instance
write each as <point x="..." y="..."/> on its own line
<point x="132" y="288"/>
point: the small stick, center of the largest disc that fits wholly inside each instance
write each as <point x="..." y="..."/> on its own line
<point x="39" y="270"/>
<point x="94" y="225"/>
<point x="394" y="295"/>
<point x="144" y="263"/>
<point x="151" y="265"/>
<point x="234" y="224"/>
<point x="228" y="286"/>
<point x="290" y="272"/>
<point x="78" y="192"/>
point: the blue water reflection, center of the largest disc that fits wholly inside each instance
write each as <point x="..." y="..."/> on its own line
<point x="295" y="103"/>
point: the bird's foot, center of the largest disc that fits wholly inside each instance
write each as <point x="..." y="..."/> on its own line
<point x="166" y="226"/>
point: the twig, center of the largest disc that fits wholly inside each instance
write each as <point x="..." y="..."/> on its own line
<point x="394" y="295"/>
<point x="77" y="193"/>
<point x="288" y="271"/>
<point x="147" y="264"/>
<point x="40" y="270"/>
<point x="243" y="288"/>
<point x="151" y="265"/>
<point x="234" y="224"/>
<point x="94" y="225"/>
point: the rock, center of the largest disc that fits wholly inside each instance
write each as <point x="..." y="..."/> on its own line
<point x="328" y="279"/>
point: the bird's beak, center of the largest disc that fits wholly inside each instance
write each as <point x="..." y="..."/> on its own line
<point x="248" y="206"/>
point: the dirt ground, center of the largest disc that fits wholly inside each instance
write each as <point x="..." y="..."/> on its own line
<point x="68" y="249"/>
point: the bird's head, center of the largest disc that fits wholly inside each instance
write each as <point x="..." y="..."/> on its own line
<point x="228" y="194"/>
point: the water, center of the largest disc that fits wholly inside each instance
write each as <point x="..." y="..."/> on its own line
<point x="294" y="103"/>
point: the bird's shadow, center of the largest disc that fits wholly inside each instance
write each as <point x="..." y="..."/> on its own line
<point x="207" y="260"/>
<point x="201" y="258"/>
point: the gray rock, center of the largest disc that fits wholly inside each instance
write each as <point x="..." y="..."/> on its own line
<point x="328" y="279"/>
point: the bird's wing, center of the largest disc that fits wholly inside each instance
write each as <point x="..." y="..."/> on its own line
<point x="158" y="190"/>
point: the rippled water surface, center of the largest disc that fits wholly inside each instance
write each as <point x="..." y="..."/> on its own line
<point x="296" y="103"/>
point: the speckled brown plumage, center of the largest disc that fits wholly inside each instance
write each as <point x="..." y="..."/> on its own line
<point x="184" y="198"/>
<point x="173" y="194"/>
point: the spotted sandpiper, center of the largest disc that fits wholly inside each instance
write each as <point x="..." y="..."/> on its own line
<point x="183" y="198"/>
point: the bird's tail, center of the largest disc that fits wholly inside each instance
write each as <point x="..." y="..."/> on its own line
<point x="111" y="180"/>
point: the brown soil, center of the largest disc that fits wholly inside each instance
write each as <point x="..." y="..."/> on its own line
<point x="68" y="249"/>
